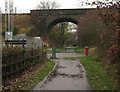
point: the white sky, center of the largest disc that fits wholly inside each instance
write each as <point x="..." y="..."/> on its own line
<point x="26" y="5"/>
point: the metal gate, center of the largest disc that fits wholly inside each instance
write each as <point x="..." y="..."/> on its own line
<point x="68" y="50"/>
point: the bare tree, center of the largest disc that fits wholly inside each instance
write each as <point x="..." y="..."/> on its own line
<point x="48" y="5"/>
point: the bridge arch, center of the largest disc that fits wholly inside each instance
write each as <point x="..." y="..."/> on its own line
<point x="44" y="20"/>
<point x="58" y="20"/>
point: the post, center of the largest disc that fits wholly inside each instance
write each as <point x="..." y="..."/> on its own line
<point x="86" y="50"/>
<point x="23" y="43"/>
<point x="6" y="43"/>
<point x="65" y="50"/>
<point x="23" y="57"/>
<point x="42" y="50"/>
<point x="54" y="53"/>
<point x="32" y="57"/>
<point x="75" y="50"/>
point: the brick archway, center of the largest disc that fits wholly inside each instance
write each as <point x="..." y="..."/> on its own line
<point x="63" y="19"/>
<point x="44" y="20"/>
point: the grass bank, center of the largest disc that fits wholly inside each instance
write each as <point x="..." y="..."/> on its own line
<point x="97" y="75"/>
<point x="30" y="80"/>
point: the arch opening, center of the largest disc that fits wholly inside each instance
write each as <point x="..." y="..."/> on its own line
<point x="63" y="33"/>
<point x="51" y="25"/>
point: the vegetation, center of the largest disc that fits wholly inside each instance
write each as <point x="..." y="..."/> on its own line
<point x="102" y="32"/>
<point x="48" y="5"/>
<point x="90" y="29"/>
<point x="15" y="31"/>
<point x="53" y="58"/>
<point x="22" y="23"/>
<point x="57" y="35"/>
<point x="60" y="35"/>
<point x="15" y="62"/>
<point x="30" y="79"/>
<point x="100" y="29"/>
<point x="70" y="58"/>
<point x="97" y="75"/>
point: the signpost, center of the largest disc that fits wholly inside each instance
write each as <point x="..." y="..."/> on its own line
<point x="8" y="35"/>
<point x="15" y="42"/>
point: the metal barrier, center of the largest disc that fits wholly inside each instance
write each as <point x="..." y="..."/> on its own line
<point x="68" y="50"/>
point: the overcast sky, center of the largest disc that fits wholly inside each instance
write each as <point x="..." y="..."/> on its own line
<point x="26" y="5"/>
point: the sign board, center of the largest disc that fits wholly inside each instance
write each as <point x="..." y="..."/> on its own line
<point x="34" y="42"/>
<point x="8" y="35"/>
<point x="37" y="42"/>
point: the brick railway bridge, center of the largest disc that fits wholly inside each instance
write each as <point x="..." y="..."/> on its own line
<point x="44" y="20"/>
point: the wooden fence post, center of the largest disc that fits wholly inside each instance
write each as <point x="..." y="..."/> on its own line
<point x="23" y="43"/>
<point x="42" y="51"/>
<point x="24" y="57"/>
<point x="7" y="43"/>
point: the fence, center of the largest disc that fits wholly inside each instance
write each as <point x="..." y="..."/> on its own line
<point x="68" y="50"/>
<point x="15" y="61"/>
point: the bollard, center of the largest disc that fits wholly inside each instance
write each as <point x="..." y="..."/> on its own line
<point x="86" y="50"/>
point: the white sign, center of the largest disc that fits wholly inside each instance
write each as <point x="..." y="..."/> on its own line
<point x="8" y="35"/>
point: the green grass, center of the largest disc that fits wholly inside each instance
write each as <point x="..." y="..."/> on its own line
<point x="60" y="50"/>
<point x="47" y="50"/>
<point x="81" y="51"/>
<point x="70" y="58"/>
<point x="97" y="75"/>
<point x="54" y="58"/>
<point x="31" y="80"/>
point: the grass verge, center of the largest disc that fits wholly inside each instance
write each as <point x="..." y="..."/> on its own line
<point x="54" y="58"/>
<point x="70" y="58"/>
<point x="30" y="80"/>
<point x="97" y="75"/>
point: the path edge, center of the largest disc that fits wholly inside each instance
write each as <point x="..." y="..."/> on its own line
<point x="51" y="73"/>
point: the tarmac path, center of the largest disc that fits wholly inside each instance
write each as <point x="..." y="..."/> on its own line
<point x="70" y="75"/>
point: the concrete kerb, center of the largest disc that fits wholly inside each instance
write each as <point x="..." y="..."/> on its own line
<point x="47" y="78"/>
<point x="82" y="69"/>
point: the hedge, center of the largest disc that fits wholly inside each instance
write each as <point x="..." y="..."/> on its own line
<point x="17" y="60"/>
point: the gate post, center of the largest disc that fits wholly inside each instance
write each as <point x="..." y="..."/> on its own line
<point x="54" y="53"/>
<point x="86" y="50"/>
<point x="75" y="50"/>
<point x="65" y="50"/>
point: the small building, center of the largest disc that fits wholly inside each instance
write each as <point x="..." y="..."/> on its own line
<point x="31" y="42"/>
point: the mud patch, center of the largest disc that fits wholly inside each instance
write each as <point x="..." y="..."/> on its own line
<point x="69" y="75"/>
<point x="61" y="67"/>
<point x="73" y="76"/>
<point x="53" y="74"/>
